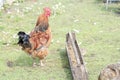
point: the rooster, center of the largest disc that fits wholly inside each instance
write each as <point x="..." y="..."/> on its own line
<point x="37" y="42"/>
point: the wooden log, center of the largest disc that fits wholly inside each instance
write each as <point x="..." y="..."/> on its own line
<point x="111" y="72"/>
<point x="75" y="58"/>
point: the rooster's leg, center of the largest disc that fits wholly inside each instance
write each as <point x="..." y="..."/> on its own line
<point x="41" y="63"/>
<point x="34" y="64"/>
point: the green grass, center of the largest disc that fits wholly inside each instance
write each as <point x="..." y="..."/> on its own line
<point x="97" y="32"/>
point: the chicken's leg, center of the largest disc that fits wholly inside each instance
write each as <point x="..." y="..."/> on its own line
<point x="41" y="63"/>
<point x="34" y="64"/>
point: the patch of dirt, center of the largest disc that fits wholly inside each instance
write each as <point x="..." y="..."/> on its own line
<point x="9" y="63"/>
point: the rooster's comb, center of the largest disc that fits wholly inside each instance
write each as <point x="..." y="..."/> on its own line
<point x="47" y="9"/>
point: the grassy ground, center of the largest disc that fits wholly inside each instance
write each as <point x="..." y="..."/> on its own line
<point x="97" y="32"/>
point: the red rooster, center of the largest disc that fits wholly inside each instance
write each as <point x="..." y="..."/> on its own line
<point x="37" y="42"/>
<point x="42" y="25"/>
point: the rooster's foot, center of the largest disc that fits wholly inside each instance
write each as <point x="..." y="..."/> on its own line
<point x="41" y="63"/>
<point x="34" y="64"/>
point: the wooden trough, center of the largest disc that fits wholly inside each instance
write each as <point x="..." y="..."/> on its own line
<point x="75" y="58"/>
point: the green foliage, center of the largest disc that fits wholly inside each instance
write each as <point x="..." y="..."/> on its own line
<point x="6" y="6"/>
<point x="19" y="1"/>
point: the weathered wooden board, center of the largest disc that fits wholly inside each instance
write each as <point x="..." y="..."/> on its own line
<point x="75" y="58"/>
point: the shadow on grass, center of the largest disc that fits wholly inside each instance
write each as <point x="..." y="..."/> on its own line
<point x="117" y="11"/>
<point x="113" y="7"/>
<point x="24" y="60"/>
<point x="65" y="63"/>
<point x="104" y="1"/>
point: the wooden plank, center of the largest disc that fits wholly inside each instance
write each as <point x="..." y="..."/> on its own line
<point x="75" y="58"/>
